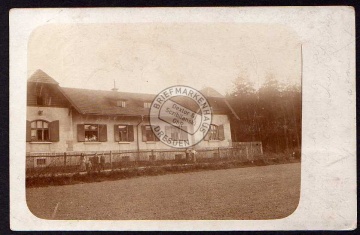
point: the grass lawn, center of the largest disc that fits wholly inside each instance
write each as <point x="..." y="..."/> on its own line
<point x="263" y="192"/>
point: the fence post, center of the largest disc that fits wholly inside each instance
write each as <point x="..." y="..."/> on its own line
<point x="64" y="158"/>
<point x="247" y="153"/>
<point x="219" y="152"/>
<point x="152" y="154"/>
<point x="110" y="159"/>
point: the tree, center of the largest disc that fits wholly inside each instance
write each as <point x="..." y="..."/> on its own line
<point x="271" y="114"/>
<point x="243" y="99"/>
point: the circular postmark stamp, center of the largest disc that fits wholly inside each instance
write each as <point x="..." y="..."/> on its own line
<point x="180" y="116"/>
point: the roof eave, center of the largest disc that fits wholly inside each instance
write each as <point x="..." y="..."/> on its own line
<point x="71" y="102"/>
<point x="232" y="110"/>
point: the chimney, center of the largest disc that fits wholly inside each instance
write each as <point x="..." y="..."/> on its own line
<point x="115" y="88"/>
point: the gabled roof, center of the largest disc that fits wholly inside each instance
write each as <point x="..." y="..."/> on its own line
<point x="40" y="76"/>
<point x="100" y="102"/>
<point x="218" y="101"/>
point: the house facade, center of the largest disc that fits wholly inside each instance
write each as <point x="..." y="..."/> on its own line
<point x="63" y="119"/>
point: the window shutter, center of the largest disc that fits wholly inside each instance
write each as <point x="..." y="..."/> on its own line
<point x="131" y="133"/>
<point x="183" y="133"/>
<point x="116" y="133"/>
<point x="207" y="136"/>
<point x="54" y="131"/>
<point x="221" y="132"/>
<point x="103" y="133"/>
<point x="80" y="133"/>
<point x="28" y="131"/>
<point x="143" y="133"/>
<point x="156" y="137"/>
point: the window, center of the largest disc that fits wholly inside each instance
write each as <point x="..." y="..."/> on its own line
<point x="42" y="100"/>
<point x="42" y="131"/>
<point x="39" y="100"/>
<point x="125" y="158"/>
<point x="215" y="133"/>
<point x="92" y="132"/>
<point x="121" y="103"/>
<point x="147" y="105"/>
<point x="40" y="162"/>
<point x="175" y="133"/>
<point x="43" y="97"/>
<point x="124" y="133"/>
<point x="148" y="134"/>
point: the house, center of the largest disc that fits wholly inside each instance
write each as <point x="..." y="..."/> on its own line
<point x="63" y="119"/>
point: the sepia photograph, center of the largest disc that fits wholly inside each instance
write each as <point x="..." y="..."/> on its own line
<point x="96" y="147"/>
<point x="182" y="119"/>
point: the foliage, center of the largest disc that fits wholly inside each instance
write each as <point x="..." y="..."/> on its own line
<point x="271" y="114"/>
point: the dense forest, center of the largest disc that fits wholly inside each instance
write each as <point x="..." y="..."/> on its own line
<point x="270" y="114"/>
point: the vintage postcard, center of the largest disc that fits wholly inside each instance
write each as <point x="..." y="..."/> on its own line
<point x="182" y="119"/>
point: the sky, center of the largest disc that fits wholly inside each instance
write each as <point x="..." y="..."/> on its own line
<point x="149" y="57"/>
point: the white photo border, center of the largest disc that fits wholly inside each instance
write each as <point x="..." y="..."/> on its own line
<point x="328" y="167"/>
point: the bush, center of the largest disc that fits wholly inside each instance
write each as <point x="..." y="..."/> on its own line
<point x="155" y="168"/>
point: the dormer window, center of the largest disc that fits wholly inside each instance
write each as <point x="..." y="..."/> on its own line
<point x="147" y="105"/>
<point x="121" y="103"/>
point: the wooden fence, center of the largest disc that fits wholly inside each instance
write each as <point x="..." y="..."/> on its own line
<point x="38" y="164"/>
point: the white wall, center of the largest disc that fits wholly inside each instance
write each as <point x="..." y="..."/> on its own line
<point x="51" y="114"/>
<point x="111" y="144"/>
<point x="218" y="120"/>
<point x="68" y="132"/>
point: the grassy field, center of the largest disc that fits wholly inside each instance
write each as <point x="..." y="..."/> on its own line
<point x="264" y="192"/>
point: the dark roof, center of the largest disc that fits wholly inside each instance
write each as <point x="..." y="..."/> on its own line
<point x="40" y="76"/>
<point x="105" y="102"/>
<point x="100" y="102"/>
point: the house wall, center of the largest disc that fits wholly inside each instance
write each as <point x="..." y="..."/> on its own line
<point x="51" y="114"/>
<point x="111" y="144"/>
<point x="218" y="120"/>
<point x="68" y="141"/>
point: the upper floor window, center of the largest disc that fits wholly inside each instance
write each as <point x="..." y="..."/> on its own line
<point x="42" y="131"/>
<point x="43" y="100"/>
<point x="39" y="100"/>
<point x="124" y="133"/>
<point x="121" y="103"/>
<point x="147" y="105"/>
